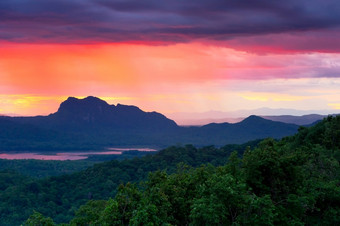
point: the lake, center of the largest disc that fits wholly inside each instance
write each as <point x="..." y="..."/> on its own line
<point x="62" y="156"/>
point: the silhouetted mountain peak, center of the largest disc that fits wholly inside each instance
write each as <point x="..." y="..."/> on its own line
<point x="253" y="119"/>
<point x="89" y="104"/>
<point x="85" y="101"/>
<point x="92" y="112"/>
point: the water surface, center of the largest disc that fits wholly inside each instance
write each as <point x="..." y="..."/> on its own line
<point x="67" y="155"/>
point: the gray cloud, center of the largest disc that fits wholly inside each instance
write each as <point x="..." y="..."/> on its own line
<point x="75" y="21"/>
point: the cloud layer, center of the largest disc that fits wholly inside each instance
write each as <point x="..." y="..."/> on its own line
<point x="162" y="22"/>
<point x="170" y="55"/>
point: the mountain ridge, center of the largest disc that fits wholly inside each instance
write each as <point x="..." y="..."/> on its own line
<point x="92" y="123"/>
<point x="203" y="118"/>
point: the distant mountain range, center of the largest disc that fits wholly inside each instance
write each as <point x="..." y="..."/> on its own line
<point x="91" y="123"/>
<point x="303" y="120"/>
<point x="282" y="115"/>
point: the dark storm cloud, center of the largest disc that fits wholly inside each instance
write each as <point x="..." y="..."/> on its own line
<point x="160" y="21"/>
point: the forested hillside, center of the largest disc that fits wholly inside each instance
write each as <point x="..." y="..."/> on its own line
<point x="59" y="197"/>
<point x="293" y="181"/>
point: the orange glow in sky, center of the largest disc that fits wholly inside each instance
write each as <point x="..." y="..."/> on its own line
<point x="35" y="78"/>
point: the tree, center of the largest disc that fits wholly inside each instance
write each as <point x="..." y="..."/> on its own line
<point x="89" y="213"/>
<point x="37" y="219"/>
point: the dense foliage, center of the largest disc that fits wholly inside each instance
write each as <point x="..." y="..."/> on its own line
<point x="59" y="196"/>
<point x="43" y="168"/>
<point x="294" y="181"/>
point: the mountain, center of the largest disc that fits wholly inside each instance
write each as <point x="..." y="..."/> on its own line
<point x="92" y="114"/>
<point x="251" y="128"/>
<point x="202" y="118"/>
<point x="91" y="123"/>
<point x="298" y="120"/>
<point x="88" y="123"/>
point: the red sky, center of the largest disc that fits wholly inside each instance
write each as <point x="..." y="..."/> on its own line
<point x="169" y="59"/>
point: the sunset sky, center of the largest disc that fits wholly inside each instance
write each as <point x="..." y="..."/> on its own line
<point x="170" y="56"/>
